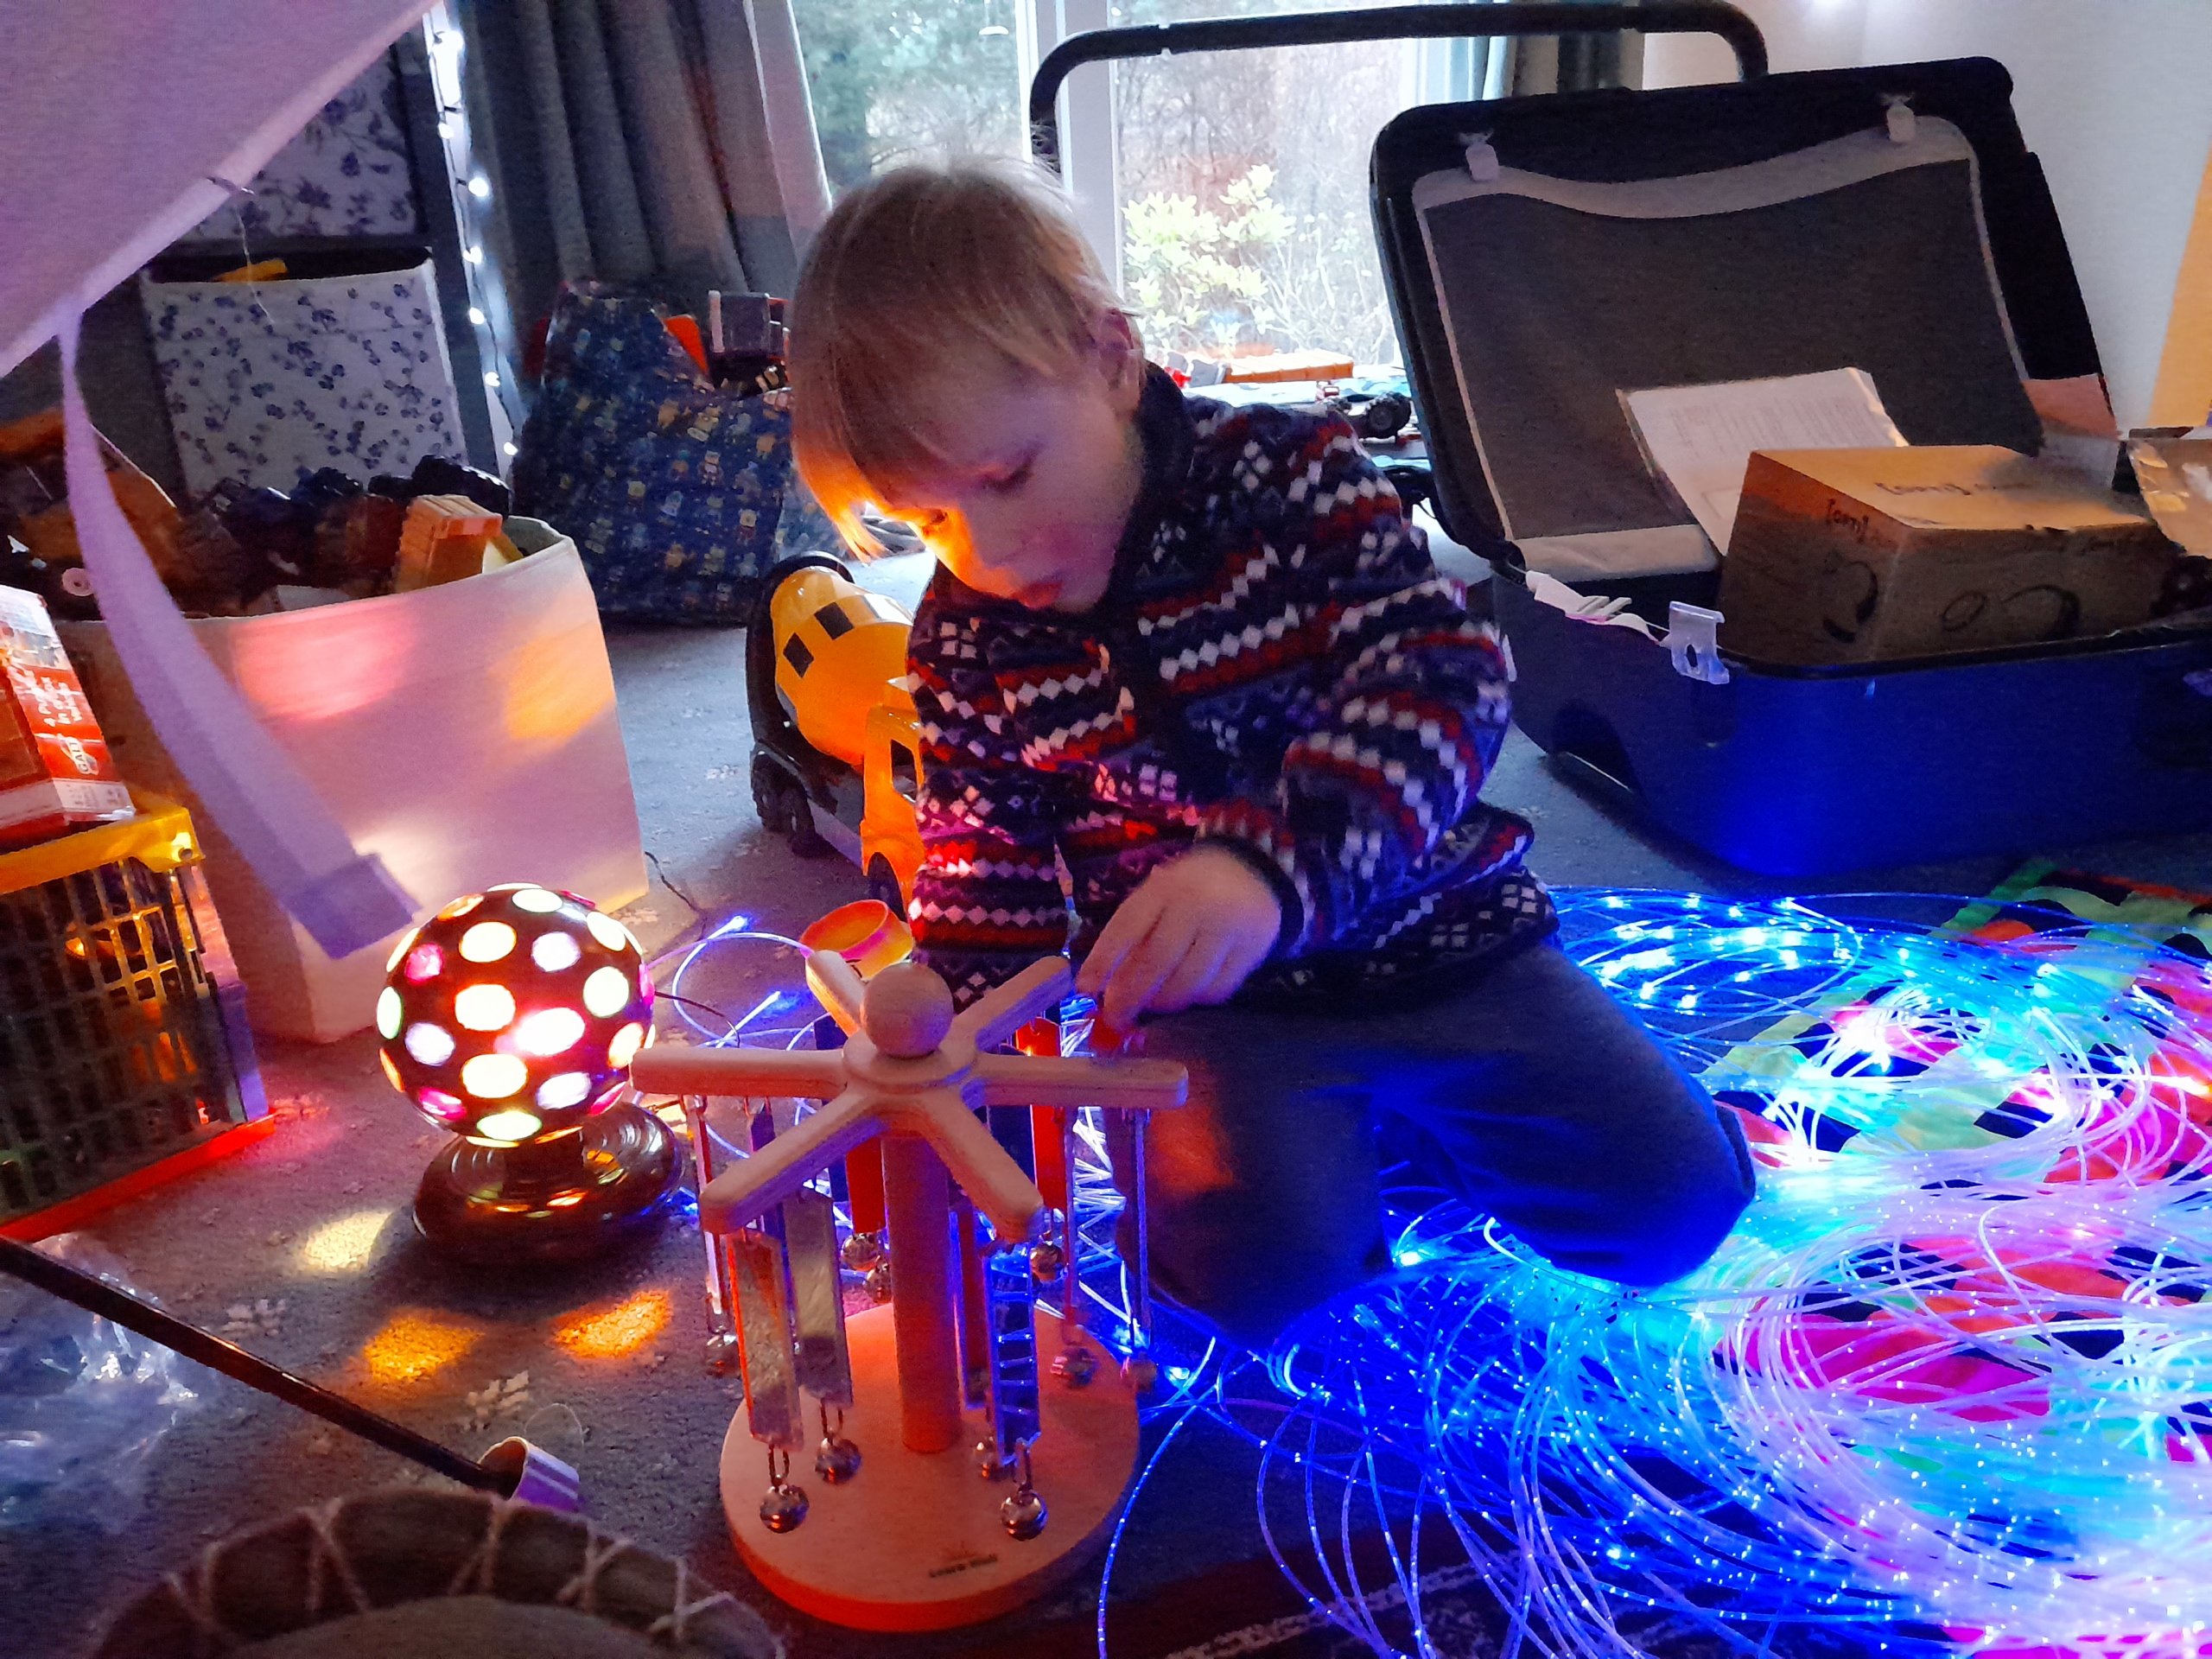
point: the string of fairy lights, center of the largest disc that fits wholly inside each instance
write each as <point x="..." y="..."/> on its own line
<point x="1948" y="1388"/>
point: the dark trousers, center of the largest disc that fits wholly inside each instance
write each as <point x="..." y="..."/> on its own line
<point x="1528" y="1092"/>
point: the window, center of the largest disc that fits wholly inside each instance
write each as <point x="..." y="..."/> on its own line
<point x="896" y="80"/>
<point x="1240" y="220"/>
<point x="1245" y="223"/>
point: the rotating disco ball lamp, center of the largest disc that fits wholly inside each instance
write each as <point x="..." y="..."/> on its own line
<point x="510" y="1019"/>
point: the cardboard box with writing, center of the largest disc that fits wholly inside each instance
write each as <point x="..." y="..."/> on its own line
<point x="1849" y="555"/>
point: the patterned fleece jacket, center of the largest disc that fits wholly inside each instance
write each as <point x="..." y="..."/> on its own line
<point x="1277" y="668"/>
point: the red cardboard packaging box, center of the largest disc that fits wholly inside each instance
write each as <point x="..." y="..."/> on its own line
<point x="55" y="773"/>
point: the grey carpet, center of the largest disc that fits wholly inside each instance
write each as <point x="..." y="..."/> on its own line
<point x="647" y="1425"/>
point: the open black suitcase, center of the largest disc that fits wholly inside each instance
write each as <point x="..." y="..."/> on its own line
<point x="1544" y="252"/>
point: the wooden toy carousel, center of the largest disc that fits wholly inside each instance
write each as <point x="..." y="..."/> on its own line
<point x="954" y="1476"/>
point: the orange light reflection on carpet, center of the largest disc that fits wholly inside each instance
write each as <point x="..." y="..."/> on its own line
<point x="413" y="1345"/>
<point x="344" y="1245"/>
<point x="619" y="1330"/>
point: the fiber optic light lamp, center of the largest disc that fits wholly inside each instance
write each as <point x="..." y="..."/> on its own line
<point x="510" y="1019"/>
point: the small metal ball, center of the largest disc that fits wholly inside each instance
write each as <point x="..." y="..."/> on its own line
<point x="879" y="1281"/>
<point x="1022" y="1514"/>
<point x="1047" y="1262"/>
<point x="725" y="1354"/>
<point x="1075" y="1367"/>
<point x="860" y="1252"/>
<point x="837" y="1459"/>
<point x="784" y="1507"/>
<point x="1141" y="1372"/>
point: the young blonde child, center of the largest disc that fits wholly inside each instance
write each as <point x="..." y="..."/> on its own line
<point x="1195" y="657"/>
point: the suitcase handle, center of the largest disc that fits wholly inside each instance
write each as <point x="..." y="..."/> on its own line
<point x="1430" y="21"/>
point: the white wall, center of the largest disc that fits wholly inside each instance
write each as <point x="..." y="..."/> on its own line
<point x="2116" y="97"/>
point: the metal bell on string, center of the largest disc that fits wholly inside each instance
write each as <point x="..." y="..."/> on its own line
<point x="861" y="1252"/>
<point x="836" y="1461"/>
<point x="784" y="1506"/>
<point x="1022" y="1514"/>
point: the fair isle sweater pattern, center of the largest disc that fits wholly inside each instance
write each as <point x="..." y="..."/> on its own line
<point x="1278" y="668"/>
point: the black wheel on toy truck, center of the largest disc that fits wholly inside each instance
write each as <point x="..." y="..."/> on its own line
<point x="883" y="886"/>
<point x="780" y="801"/>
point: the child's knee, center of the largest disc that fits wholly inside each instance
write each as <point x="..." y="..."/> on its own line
<point x="1671" y="1212"/>
<point x="1250" y="1281"/>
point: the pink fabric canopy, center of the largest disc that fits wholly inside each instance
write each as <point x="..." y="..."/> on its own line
<point x="122" y="125"/>
<point x="120" y="116"/>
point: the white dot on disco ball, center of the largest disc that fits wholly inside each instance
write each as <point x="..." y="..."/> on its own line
<point x="607" y="991"/>
<point x="485" y="1008"/>
<point x="388" y="1014"/>
<point x="494" y="1077"/>
<point x="624" y="1049"/>
<point x="536" y="900"/>
<point x="554" y="952"/>
<point x="487" y="942"/>
<point x="430" y="1044"/>
<point x="559" y="1093"/>
<point x="550" y="1030"/>
<point x="512" y="1125"/>
<point x="609" y="932"/>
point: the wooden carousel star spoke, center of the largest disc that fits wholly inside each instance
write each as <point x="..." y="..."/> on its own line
<point x="752" y="1186"/>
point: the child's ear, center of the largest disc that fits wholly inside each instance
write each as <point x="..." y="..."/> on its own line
<point x="1122" y="360"/>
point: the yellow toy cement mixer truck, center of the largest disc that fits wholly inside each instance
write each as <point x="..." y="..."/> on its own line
<point x="836" y="754"/>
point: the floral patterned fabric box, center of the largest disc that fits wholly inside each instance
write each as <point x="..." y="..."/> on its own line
<point x="267" y="381"/>
<point x="347" y="173"/>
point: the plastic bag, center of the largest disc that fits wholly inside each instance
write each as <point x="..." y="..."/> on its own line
<point x="82" y="1401"/>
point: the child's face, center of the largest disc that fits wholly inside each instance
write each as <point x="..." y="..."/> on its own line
<point x="1039" y="478"/>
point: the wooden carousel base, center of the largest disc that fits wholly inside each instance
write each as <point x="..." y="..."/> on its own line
<point x="913" y="1541"/>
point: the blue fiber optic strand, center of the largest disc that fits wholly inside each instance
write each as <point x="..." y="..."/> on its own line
<point x="1775" y="1492"/>
<point x="1948" y="1388"/>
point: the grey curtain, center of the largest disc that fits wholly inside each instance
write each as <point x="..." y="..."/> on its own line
<point x="664" y="145"/>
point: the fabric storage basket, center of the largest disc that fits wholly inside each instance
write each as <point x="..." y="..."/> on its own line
<point x="341" y="364"/>
<point x="465" y="733"/>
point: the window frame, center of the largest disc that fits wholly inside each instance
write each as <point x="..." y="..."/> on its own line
<point x="1443" y="71"/>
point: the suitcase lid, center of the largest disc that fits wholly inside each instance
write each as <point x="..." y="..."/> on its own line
<point x="1799" y="235"/>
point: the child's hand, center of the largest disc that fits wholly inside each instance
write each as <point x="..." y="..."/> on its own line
<point x="1189" y="934"/>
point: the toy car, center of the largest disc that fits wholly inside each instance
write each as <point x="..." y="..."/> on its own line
<point x="836" y="754"/>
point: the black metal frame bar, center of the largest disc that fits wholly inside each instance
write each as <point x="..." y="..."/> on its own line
<point x="1431" y="21"/>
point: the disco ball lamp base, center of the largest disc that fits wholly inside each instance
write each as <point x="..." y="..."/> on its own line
<point x="566" y="1199"/>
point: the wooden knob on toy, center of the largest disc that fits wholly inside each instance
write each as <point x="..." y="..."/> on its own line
<point x="907" y="1010"/>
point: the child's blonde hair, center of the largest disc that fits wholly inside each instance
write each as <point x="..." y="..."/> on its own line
<point x="920" y="268"/>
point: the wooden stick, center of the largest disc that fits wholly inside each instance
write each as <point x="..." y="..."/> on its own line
<point x="97" y="1296"/>
<point x="922" y="1310"/>
<point x="672" y="1068"/>
<point x="999" y="1012"/>
<point x="749" y="1189"/>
